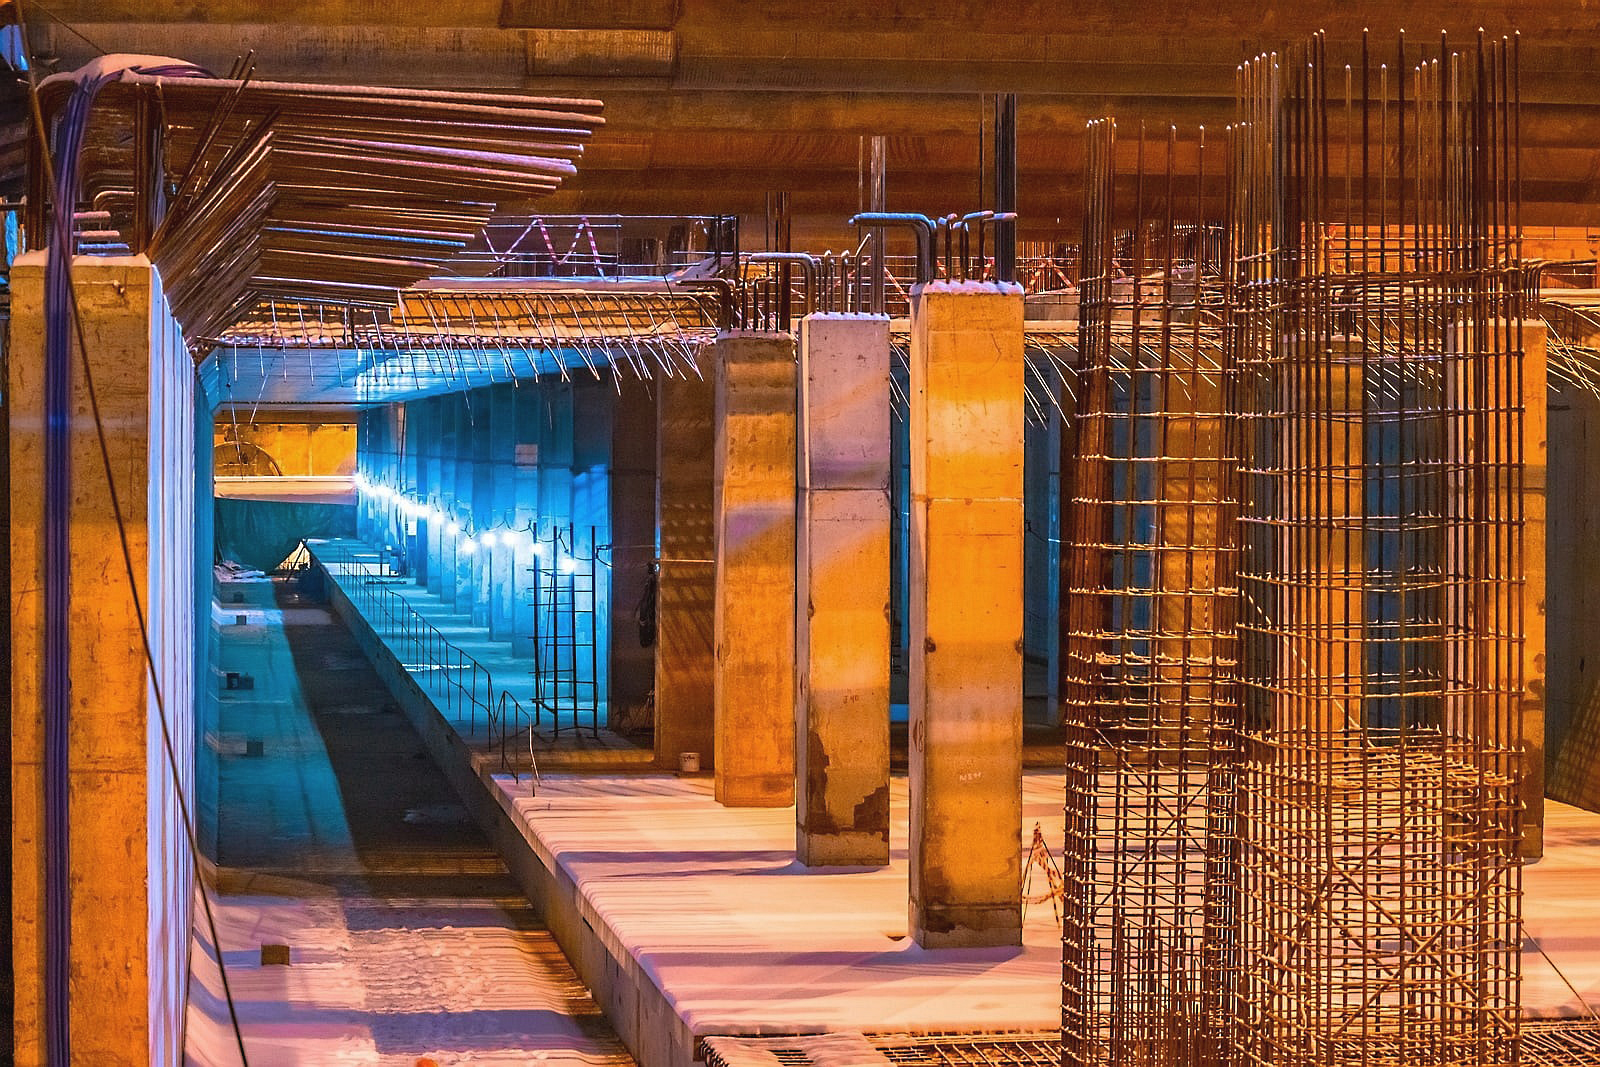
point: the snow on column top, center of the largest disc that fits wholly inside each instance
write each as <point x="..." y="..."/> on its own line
<point x="999" y="288"/>
<point x="848" y="316"/>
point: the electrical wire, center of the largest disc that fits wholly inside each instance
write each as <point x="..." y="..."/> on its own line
<point x="59" y="1050"/>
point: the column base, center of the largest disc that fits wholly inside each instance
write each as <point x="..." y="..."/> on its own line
<point x="842" y="849"/>
<point x="970" y="926"/>
<point x="755" y="791"/>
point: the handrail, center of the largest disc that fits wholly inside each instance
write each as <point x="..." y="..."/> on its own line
<point x="438" y="659"/>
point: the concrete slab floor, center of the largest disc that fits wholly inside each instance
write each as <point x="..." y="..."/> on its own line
<point x="709" y="903"/>
<point x="742" y="940"/>
<point x="341" y="840"/>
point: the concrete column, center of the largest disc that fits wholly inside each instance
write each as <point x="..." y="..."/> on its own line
<point x="130" y="875"/>
<point x="633" y="550"/>
<point x="480" y="564"/>
<point x="592" y="401"/>
<point x="1330" y="557"/>
<point x="502" y="494"/>
<point x="685" y="593"/>
<point x="430" y="430"/>
<point x="755" y="571"/>
<point x="966" y="614"/>
<point x="525" y="491"/>
<point x="1535" y="435"/>
<point x="842" y="607"/>
<point x="555" y="455"/>
<point x="449" y="494"/>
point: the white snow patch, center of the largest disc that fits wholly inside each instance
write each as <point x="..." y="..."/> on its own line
<point x="386" y="981"/>
<point x="947" y="286"/>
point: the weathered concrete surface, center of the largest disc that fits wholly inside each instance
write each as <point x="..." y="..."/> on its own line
<point x="842" y="607"/>
<point x="130" y="871"/>
<point x="755" y="570"/>
<point x="966" y="615"/>
<point x="1535" y="451"/>
<point x="686" y="588"/>
<point x="1572" y="724"/>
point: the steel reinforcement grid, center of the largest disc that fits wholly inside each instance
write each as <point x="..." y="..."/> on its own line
<point x="1296" y="639"/>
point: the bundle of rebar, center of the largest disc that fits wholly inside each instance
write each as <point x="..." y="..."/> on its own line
<point x="461" y="334"/>
<point x="300" y="191"/>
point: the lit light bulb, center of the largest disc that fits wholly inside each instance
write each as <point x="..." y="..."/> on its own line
<point x="567" y="566"/>
<point x="489" y="539"/>
<point x="540" y="551"/>
<point x="453" y="529"/>
<point x="468" y="547"/>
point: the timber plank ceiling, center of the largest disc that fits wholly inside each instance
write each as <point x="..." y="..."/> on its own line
<point x="712" y="104"/>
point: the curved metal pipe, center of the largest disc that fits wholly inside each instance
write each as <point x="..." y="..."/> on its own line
<point x="980" y="217"/>
<point x="809" y="269"/>
<point x="921" y="225"/>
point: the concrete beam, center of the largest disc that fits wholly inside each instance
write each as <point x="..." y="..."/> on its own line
<point x="842" y="606"/>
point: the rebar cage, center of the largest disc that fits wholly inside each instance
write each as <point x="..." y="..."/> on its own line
<point x="1378" y="430"/>
<point x="1149" y="653"/>
<point x="1294" y="673"/>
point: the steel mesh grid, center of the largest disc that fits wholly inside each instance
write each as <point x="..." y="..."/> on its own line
<point x="1559" y="1043"/>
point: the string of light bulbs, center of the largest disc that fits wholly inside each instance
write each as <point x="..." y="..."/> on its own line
<point x="467" y="540"/>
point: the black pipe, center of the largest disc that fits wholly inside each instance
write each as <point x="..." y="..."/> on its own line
<point x="1005" y="187"/>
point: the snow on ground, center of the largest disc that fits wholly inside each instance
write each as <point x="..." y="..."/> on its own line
<point x="389" y="981"/>
<point x="743" y="940"/>
<point x="1561" y="918"/>
<point x="338" y="837"/>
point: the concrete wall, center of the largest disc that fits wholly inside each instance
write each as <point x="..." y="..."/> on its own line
<point x="1572" y="708"/>
<point x="515" y="457"/>
<point x="305" y="449"/>
<point x="130" y="871"/>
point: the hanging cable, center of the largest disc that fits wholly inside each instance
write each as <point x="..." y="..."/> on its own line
<point x="61" y="296"/>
